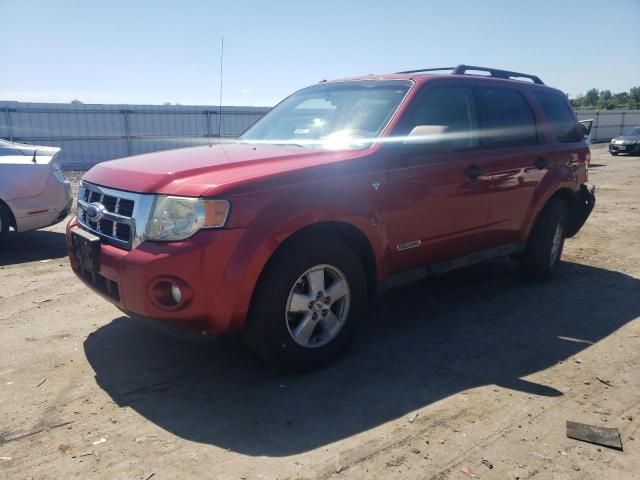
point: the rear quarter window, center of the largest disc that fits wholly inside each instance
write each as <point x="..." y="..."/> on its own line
<point x="559" y="116"/>
<point x="507" y="119"/>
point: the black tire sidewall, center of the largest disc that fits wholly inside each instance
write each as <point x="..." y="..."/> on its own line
<point x="536" y="261"/>
<point x="266" y="325"/>
<point x="6" y="222"/>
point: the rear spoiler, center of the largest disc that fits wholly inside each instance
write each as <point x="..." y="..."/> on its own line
<point x="51" y="152"/>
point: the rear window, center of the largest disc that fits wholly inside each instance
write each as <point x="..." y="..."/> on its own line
<point x="507" y="119"/>
<point x="557" y="111"/>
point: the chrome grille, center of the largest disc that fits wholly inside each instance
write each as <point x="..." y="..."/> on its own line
<point x="122" y="213"/>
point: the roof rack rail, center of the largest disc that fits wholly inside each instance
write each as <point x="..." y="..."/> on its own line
<point x="426" y="70"/>
<point x="494" y="72"/>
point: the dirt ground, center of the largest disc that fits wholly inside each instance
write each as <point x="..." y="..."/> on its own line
<point x="471" y="374"/>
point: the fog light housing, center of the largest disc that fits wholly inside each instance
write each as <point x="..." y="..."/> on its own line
<point x="169" y="293"/>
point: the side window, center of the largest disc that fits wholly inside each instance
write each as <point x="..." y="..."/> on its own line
<point x="557" y="111"/>
<point x="507" y="119"/>
<point x="450" y="107"/>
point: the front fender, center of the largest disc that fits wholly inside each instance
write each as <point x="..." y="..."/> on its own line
<point x="277" y="216"/>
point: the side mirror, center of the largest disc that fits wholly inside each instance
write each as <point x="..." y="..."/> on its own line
<point x="585" y="127"/>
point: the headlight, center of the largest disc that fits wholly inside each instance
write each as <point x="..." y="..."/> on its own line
<point x="178" y="218"/>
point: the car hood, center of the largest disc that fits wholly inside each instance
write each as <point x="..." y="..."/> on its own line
<point x="626" y="138"/>
<point x="210" y="170"/>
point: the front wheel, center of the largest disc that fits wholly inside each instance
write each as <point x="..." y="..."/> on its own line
<point x="544" y="247"/>
<point x="307" y="305"/>
<point x="5" y="223"/>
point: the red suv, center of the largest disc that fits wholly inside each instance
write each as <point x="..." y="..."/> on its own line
<point x="343" y="188"/>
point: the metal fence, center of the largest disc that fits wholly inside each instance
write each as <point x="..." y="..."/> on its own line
<point x="609" y="123"/>
<point x="89" y="134"/>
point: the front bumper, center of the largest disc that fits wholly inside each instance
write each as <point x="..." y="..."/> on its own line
<point x="202" y="263"/>
<point x="631" y="148"/>
<point x="582" y="208"/>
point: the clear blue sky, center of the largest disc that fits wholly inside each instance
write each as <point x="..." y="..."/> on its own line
<point x="142" y="51"/>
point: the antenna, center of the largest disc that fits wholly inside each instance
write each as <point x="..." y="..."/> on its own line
<point x="220" y="103"/>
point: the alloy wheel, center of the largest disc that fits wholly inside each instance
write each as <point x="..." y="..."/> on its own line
<point x="318" y="306"/>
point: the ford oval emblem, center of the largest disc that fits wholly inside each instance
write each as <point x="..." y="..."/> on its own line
<point x="95" y="211"/>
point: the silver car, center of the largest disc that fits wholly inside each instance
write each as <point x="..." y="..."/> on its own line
<point x="628" y="142"/>
<point x="34" y="192"/>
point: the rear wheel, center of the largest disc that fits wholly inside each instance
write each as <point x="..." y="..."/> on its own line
<point x="307" y="305"/>
<point x="544" y="247"/>
<point x="5" y="222"/>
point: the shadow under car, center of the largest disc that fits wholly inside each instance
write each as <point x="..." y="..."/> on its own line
<point x="422" y="343"/>
<point x="32" y="246"/>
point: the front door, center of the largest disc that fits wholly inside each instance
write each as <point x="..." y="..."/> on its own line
<point x="438" y="193"/>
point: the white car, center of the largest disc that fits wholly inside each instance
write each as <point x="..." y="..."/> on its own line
<point x="34" y="192"/>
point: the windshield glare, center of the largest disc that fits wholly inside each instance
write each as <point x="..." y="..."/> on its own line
<point x="336" y="115"/>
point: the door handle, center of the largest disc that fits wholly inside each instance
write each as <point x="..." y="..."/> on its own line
<point x="541" y="163"/>
<point x="473" y="172"/>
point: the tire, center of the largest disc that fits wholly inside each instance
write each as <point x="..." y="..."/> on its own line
<point x="5" y="222"/>
<point x="615" y="154"/>
<point x="544" y="246"/>
<point x="281" y="326"/>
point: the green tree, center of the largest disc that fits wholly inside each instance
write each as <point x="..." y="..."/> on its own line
<point x="621" y="98"/>
<point x="591" y="97"/>
<point x="634" y="98"/>
<point x="577" y="102"/>
<point x="605" y="102"/>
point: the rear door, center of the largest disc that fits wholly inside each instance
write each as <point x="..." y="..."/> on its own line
<point x="438" y="196"/>
<point x="519" y="158"/>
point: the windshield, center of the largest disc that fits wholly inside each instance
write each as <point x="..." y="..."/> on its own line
<point x="335" y="115"/>
<point x="632" y="132"/>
